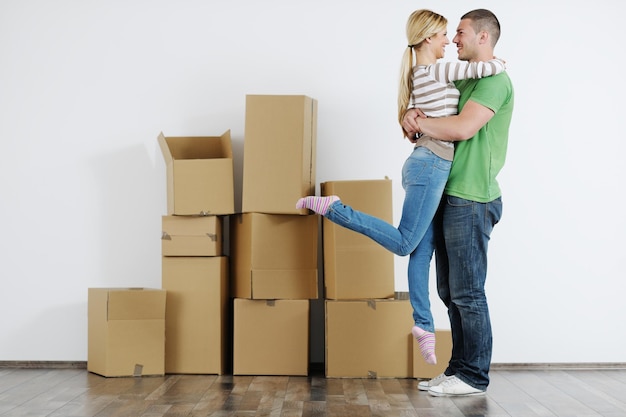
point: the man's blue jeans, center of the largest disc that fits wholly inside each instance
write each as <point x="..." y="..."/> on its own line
<point x="462" y="232"/>
<point x="424" y="177"/>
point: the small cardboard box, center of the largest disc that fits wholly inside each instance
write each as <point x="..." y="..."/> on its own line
<point x="274" y="256"/>
<point x="191" y="236"/>
<point x="443" y="351"/>
<point x="279" y="153"/>
<point x="199" y="174"/>
<point x="356" y="267"/>
<point x="126" y="334"/>
<point x="271" y="337"/>
<point x="369" y="338"/>
<point x="196" y="321"/>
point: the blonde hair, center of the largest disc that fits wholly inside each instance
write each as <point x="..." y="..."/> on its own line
<point x="422" y="24"/>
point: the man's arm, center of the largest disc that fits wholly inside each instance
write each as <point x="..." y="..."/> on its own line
<point x="463" y="126"/>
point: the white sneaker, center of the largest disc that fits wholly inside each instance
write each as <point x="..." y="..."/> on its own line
<point x="453" y="386"/>
<point x="425" y="385"/>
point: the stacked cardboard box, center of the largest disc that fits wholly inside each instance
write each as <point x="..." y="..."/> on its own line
<point x="273" y="244"/>
<point x="356" y="267"/>
<point x="367" y="323"/>
<point x="368" y="338"/>
<point x="367" y="329"/>
<point x="194" y="269"/>
<point x="126" y="331"/>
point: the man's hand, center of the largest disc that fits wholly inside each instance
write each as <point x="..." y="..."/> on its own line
<point x="410" y="123"/>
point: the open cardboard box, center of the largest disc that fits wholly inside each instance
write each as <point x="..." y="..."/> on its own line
<point x="199" y="174"/>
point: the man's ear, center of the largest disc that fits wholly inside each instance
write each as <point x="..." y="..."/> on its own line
<point x="483" y="37"/>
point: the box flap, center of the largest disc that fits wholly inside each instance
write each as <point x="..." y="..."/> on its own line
<point x="196" y="147"/>
<point x="164" y="148"/>
<point x="187" y="226"/>
<point x="135" y="304"/>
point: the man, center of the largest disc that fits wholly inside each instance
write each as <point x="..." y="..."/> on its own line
<point x="471" y="205"/>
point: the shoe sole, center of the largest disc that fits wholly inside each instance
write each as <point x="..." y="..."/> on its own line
<point x="445" y="394"/>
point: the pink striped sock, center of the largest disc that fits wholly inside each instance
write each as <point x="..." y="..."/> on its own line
<point x="426" y="342"/>
<point x="319" y="205"/>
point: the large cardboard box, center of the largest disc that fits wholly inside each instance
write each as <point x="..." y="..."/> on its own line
<point x="199" y="174"/>
<point x="191" y="236"/>
<point x="271" y="337"/>
<point x="355" y="266"/>
<point x="279" y="153"/>
<point x="443" y="351"/>
<point x="126" y="334"/>
<point x="274" y="256"/>
<point x="196" y="321"/>
<point x="369" y="338"/>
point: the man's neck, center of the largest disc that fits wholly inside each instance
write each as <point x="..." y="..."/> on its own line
<point x="483" y="56"/>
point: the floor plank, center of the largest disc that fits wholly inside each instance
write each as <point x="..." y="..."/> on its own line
<point x="512" y="393"/>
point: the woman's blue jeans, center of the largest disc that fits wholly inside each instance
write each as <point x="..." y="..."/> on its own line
<point x="424" y="177"/>
<point x="462" y="231"/>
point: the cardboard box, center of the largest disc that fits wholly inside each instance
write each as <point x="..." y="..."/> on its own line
<point x="274" y="256"/>
<point x="271" y="337"/>
<point x="369" y="338"/>
<point x="356" y="267"/>
<point x="199" y="174"/>
<point x="126" y="334"/>
<point x="196" y="321"/>
<point x="191" y="236"/>
<point x="279" y="153"/>
<point x="443" y="351"/>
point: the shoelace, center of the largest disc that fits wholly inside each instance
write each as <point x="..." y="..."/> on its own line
<point x="451" y="381"/>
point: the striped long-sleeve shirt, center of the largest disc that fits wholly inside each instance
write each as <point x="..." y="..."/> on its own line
<point x="435" y="94"/>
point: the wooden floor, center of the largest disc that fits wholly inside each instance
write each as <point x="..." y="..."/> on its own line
<point x="516" y="393"/>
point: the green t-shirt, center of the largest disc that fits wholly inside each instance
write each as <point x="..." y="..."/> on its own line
<point x="478" y="161"/>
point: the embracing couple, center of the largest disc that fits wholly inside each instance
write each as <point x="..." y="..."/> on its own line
<point x="457" y="117"/>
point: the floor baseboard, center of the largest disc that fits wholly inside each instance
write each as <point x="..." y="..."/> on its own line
<point x="556" y="366"/>
<point x="44" y="364"/>
<point x="319" y="367"/>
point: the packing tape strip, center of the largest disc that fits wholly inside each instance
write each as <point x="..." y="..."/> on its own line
<point x="401" y="295"/>
<point x="138" y="370"/>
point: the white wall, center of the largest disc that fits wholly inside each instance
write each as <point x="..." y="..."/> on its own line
<point x="86" y="86"/>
